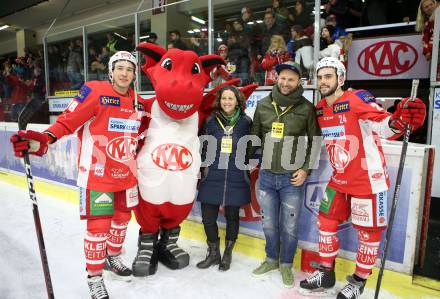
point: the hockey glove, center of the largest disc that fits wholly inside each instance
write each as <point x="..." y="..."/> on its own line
<point x="408" y="112"/>
<point x="35" y="143"/>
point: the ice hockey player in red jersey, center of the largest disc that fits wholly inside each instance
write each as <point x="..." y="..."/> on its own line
<point x="107" y="122"/>
<point x="352" y="125"/>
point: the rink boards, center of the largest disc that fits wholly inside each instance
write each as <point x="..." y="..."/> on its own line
<point x="59" y="167"/>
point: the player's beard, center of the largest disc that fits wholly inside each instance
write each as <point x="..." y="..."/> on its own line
<point x="331" y="90"/>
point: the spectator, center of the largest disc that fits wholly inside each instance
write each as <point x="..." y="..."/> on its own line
<point x="222" y="73"/>
<point x="224" y="183"/>
<point x="19" y="89"/>
<point x="276" y="54"/>
<point x="425" y="24"/>
<point x="338" y="9"/>
<point x="300" y="15"/>
<point x="197" y="45"/>
<point x="112" y="44"/>
<point x="337" y="30"/>
<point x="152" y="38"/>
<point x="304" y="54"/>
<point x="329" y="48"/>
<point x="175" y="38"/>
<point x="74" y="66"/>
<point x="238" y="58"/>
<point x="280" y="12"/>
<point x="271" y="27"/>
<point x="296" y="31"/>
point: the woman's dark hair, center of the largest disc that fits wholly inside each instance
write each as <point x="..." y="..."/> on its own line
<point x="241" y="100"/>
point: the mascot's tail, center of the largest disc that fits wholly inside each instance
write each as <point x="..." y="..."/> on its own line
<point x="208" y="99"/>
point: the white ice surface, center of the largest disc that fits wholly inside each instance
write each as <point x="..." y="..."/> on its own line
<point x="21" y="274"/>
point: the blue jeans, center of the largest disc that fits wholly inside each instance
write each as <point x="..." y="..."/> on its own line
<point x="280" y="204"/>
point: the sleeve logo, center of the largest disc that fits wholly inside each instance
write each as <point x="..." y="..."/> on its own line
<point x="83" y="93"/>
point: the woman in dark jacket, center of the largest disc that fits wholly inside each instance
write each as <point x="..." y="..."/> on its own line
<point x="225" y="182"/>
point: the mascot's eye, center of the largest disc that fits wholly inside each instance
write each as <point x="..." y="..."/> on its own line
<point x="167" y="64"/>
<point x="195" y="69"/>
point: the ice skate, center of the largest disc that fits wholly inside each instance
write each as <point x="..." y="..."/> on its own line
<point x="353" y="289"/>
<point x="319" y="284"/>
<point x="116" y="268"/>
<point x="97" y="287"/>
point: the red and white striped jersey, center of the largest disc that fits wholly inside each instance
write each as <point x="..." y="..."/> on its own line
<point x="352" y="128"/>
<point x="107" y="128"/>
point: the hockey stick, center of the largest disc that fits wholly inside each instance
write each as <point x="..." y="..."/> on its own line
<point x="23" y="120"/>
<point x="407" y="132"/>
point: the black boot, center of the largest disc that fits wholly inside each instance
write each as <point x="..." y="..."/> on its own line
<point x="146" y="260"/>
<point x="212" y="257"/>
<point x="169" y="253"/>
<point x="227" y="256"/>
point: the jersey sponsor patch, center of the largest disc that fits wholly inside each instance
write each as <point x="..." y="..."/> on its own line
<point x="327" y="201"/>
<point x="122" y="149"/>
<point x="362" y="211"/>
<point x="339" y="157"/>
<point x="333" y="133"/>
<point x="72" y="106"/>
<point x="381" y="208"/>
<point x="99" y="170"/>
<point x="83" y="93"/>
<point x="123" y="125"/>
<point x="341" y="107"/>
<point x="110" y="101"/>
<point x="365" y="96"/>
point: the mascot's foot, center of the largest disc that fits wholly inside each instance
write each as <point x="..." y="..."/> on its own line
<point x="169" y="253"/>
<point x="146" y="260"/>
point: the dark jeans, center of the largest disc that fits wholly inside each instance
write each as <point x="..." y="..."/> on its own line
<point x="209" y="219"/>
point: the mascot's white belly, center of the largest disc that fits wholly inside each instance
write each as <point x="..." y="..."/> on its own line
<point x="169" y="162"/>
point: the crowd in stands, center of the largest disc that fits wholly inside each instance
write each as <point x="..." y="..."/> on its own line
<point x="21" y="80"/>
<point x="252" y="43"/>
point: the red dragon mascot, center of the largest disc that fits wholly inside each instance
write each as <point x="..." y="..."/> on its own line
<point x="169" y="161"/>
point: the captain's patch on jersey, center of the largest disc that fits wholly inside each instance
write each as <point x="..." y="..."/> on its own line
<point x="109" y="101"/>
<point x="83" y="93"/>
<point x="341" y="107"/>
<point x="333" y="133"/>
<point x="123" y="125"/>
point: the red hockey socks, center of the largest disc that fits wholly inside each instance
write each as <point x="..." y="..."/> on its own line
<point x="118" y="230"/>
<point x="368" y="250"/>
<point x="95" y="252"/>
<point x="116" y="237"/>
<point x="328" y="241"/>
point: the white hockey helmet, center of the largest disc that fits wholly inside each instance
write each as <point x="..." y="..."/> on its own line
<point x="120" y="55"/>
<point x="333" y="63"/>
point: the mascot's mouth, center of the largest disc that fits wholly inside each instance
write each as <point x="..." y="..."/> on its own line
<point x="177" y="107"/>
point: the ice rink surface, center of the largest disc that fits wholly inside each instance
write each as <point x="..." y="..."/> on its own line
<point x="21" y="274"/>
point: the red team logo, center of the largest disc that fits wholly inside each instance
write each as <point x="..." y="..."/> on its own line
<point x="172" y="157"/>
<point x="387" y="58"/>
<point x="122" y="149"/>
<point x="339" y="157"/>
